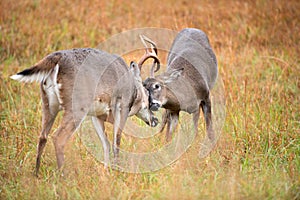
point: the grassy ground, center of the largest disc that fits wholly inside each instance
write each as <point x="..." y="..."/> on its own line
<point x="257" y="46"/>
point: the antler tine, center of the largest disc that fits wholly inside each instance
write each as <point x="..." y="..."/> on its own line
<point x="148" y="54"/>
<point x="153" y="45"/>
<point x="154" y="50"/>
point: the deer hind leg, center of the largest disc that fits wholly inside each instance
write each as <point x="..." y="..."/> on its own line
<point x="50" y="111"/>
<point x="62" y="135"/>
<point x="100" y="129"/>
<point x="206" y="108"/>
<point x="171" y="124"/>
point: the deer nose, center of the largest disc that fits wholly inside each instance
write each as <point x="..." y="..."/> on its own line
<point x="154" y="106"/>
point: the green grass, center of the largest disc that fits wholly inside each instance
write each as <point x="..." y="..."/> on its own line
<point x="258" y="153"/>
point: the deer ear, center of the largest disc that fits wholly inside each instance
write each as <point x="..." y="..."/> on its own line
<point x="173" y="75"/>
<point x="135" y="69"/>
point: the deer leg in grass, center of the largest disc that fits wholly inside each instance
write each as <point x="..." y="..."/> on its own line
<point x="120" y="116"/>
<point x="100" y="129"/>
<point x="62" y="135"/>
<point x="171" y="124"/>
<point x="165" y="119"/>
<point x="206" y="108"/>
<point x="195" y="120"/>
<point x="49" y="114"/>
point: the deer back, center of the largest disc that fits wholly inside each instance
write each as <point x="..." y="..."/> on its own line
<point x="191" y="51"/>
<point x="88" y="75"/>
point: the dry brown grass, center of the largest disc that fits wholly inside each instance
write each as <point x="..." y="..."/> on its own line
<point x="257" y="46"/>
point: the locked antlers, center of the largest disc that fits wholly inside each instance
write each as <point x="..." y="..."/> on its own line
<point x="150" y="53"/>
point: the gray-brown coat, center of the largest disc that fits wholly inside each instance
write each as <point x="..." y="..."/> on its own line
<point x="85" y="82"/>
<point x="185" y="86"/>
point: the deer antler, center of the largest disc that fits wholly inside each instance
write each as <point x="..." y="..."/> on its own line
<point x="149" y="54"/>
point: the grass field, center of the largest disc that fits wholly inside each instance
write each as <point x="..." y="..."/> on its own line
<point x="257" y="47"/>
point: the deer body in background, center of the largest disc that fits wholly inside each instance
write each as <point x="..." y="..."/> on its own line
<point x="185" y="86"/>
<point x="85" y="82"/>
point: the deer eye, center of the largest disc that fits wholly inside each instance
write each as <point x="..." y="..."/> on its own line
<point x="156" y="86"/>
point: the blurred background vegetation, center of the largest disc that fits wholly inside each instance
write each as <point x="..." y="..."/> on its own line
<point x="257" y="46"/>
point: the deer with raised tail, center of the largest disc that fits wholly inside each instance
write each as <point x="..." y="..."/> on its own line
<point x="185" y="86"/>
<point x="90" y="82"/>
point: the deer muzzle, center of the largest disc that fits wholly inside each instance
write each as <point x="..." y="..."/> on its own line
<point x="154" y="105"/>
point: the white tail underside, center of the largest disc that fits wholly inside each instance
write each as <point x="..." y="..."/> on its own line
<point x="38" y="77"/>
<point x="50" y="86"/>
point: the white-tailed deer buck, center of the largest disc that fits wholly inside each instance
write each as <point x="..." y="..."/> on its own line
<point x="85" y="82"/>
<point x="185" y="86"/>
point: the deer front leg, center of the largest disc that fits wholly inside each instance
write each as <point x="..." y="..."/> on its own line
<point x="120" y="117"/>
<point x="165" y="120"/>
<point x="171" y="124"/>
<point x="100" y="129"/>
